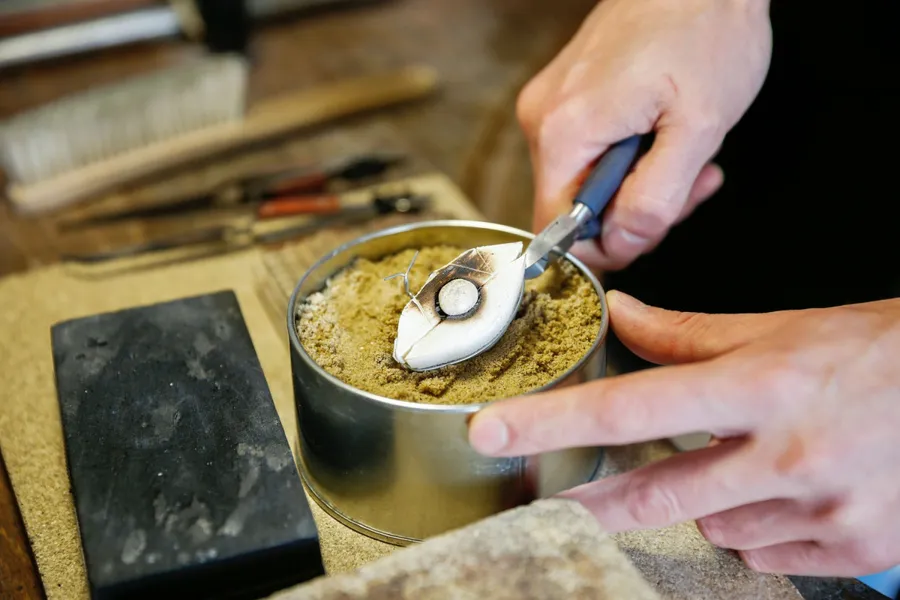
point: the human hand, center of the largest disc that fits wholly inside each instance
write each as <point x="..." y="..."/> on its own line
<point x="803" y="476"/>
<point x="686" y="71"/>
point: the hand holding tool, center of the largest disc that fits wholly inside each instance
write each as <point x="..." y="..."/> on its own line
<point x="583" y="222"/>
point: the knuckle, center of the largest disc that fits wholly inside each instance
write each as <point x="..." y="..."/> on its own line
<point x="557" y="121"/>
<point x="691" y="329"/>
<point x="650" y="504"/>
<point x="620" y="416"/>
<point x="528" y="107"/>
<point x="840" y="520"/>
<point x="723" y="533"/>
<point x="779" y="377"/>
<point x="805" y="461"/>
<point x="648" y="215"/>
<point x="707" y="126"/>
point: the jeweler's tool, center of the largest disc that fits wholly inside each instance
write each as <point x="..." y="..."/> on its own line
<point x="583" y="221"/>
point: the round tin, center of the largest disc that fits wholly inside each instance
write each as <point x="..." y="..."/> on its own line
<point x="400" y="471"/>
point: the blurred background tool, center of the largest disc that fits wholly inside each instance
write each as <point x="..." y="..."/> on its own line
<point x="227" y="238"/>
<point x="23" y="16"/>
<point x="89" y="143"/>
<point x="280" y="193"/>
<point x="38" y="30"/>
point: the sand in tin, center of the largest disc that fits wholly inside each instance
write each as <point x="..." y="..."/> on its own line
<point x="349" y="328"/>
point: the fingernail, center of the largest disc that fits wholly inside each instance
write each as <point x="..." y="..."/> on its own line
<point x="751" y="560"/>
<point x="710" y="532"/>
<point x="616" y="235"/>
<point x="488" y="434"/>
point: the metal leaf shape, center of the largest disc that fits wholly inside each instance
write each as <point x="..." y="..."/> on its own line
<point x="428" y="339"/>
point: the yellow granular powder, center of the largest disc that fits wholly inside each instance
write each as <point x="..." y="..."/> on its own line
<point x="349" y="328"/>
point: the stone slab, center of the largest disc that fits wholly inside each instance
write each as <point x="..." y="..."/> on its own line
<point x="183" y="478"/>
<point x="551" y="549"/>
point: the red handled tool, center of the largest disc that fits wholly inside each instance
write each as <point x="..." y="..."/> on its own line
<point x="236" y="236"/>
<point x="284" y="193"/>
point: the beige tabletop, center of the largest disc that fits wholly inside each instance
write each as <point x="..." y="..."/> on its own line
<point x="30" y="431"/>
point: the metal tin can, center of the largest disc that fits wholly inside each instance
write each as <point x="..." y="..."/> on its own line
<point x="401" y="471"/>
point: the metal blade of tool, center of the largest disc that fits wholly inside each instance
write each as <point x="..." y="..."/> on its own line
<point x="583" y="222"/>
<point x="559" y="236"/>
<point x="190" y="238"/>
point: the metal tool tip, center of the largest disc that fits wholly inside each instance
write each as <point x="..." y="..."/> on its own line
<point x="536" y="269"/>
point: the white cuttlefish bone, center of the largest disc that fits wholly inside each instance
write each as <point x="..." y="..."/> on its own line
<point x="463" y="309"/>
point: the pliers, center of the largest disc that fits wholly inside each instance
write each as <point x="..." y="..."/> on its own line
<point x="583" y="221"/>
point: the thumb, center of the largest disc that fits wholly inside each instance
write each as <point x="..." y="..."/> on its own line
<point x="670" y="337"/>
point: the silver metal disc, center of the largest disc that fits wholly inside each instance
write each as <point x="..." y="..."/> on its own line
<point x="458" y="297"/>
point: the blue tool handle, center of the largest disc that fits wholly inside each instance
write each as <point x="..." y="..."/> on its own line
<point x="604" y="180"/>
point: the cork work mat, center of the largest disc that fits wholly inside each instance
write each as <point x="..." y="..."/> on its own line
<point x="676" y="560"/>
<point x="30" y="431"/>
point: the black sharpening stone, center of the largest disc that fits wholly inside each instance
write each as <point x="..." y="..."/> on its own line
<point x="183" y="478"/>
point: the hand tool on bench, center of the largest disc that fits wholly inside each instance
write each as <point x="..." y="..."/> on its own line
<point x="284" y="192"/>
<point x="92" y="143"/>
<point x="33" y="31"/>
<point x="241" y="235"/>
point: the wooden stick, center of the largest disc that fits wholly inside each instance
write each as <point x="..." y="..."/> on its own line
<point x="268" y="119"/>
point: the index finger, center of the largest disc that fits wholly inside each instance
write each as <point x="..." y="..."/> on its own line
<point x="712" y="396"/>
